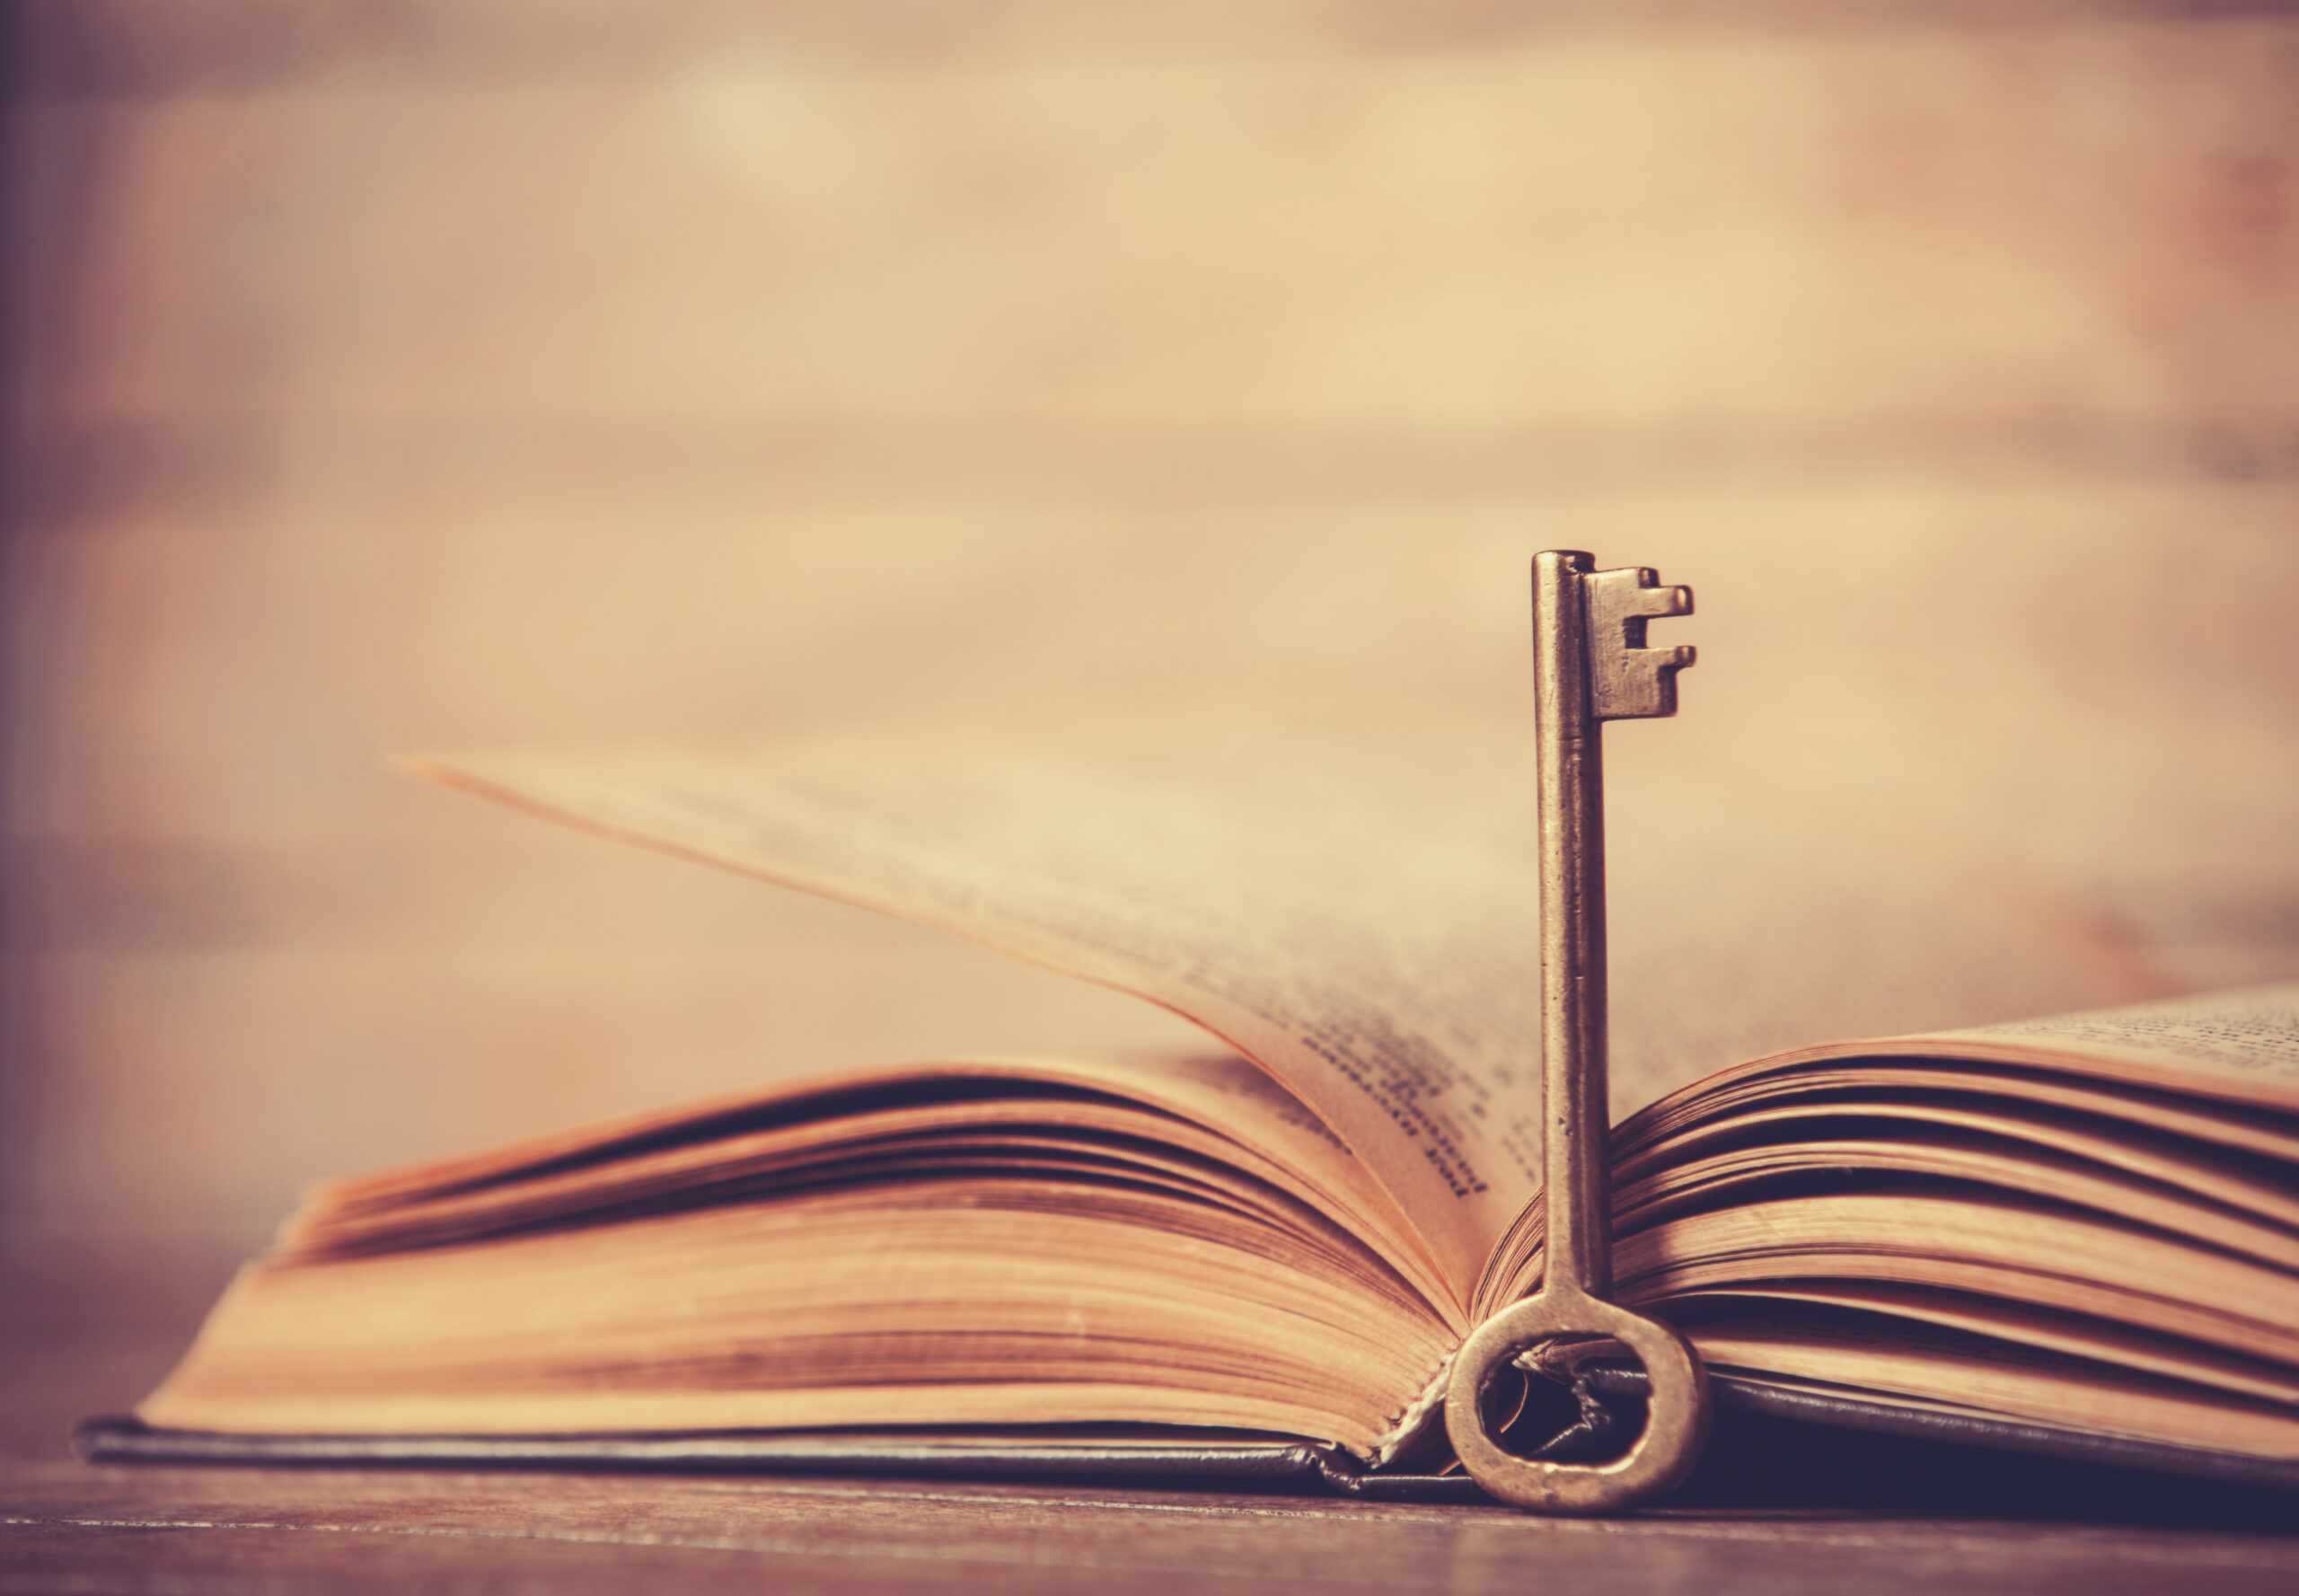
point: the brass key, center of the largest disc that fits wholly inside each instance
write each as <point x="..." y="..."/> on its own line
<point x="1590" y="664"/>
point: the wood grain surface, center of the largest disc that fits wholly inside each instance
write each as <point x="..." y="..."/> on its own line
<point x="67" y="1528"/>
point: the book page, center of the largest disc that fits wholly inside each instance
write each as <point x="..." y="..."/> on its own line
<point x="2240" y="1046"/>
<point x="2250" y="1036"/>
<point x="1358" y="921"/>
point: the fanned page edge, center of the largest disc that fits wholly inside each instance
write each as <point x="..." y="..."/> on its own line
<point x="2185" y="1074"/>
<point x="442" y="768"/>
<point x="1176" y="1086"/>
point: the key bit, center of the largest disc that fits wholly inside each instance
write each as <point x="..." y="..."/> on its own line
<point x="1590" y="664"/>
<point x="1627" y="680"/>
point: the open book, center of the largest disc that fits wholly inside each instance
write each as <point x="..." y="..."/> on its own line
<point x="2082" y="1231"/>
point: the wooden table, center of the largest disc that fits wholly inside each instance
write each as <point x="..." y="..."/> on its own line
<point x="65" y="1526"/>
<point x="68" y="1528"/>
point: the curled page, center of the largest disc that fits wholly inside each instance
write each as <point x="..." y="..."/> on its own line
<point x="1360" y="922"/>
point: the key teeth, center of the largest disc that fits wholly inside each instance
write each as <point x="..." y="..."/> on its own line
<point x="1626" y="680"/>
<point x="1648" y="600"/>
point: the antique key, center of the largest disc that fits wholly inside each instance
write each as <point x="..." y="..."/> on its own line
<point x="1590" y="664"/>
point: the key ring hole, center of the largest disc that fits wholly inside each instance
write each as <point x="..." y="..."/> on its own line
<point x="1602" y="1345"/>
<point x="1569" y="1399"/>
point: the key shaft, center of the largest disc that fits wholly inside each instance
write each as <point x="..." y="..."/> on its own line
<point x="1576" y="1172"/>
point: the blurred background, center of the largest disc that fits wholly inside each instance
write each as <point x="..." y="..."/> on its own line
<point x="395" y="374"/>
